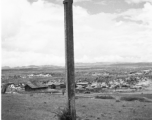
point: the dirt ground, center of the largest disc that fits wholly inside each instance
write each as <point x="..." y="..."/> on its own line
<point x="42" y="106"/>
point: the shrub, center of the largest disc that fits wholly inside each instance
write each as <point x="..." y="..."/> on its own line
<point x="104" y="97"/>
<point x="87" y="92"/>
<point x="141" y="99"/>
<point x="63" y="114"/>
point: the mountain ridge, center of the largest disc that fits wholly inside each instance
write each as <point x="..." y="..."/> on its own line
<point x="83" y="65"/>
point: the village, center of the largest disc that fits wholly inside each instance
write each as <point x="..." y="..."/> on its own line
<point x="101" y="81"/>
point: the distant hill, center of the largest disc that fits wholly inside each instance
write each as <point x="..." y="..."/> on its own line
<point x="5" y="67"/>
<point x="140" y="64"/>
<point x="113" y="64"/>
<point x="84" y="65"/>
<point x="93" y="64"/>
<point x="32" y="67"/>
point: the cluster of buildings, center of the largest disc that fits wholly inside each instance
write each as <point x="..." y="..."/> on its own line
<point x="39" y="75"/>
<point x="133" y="80"/>
<point x="53" y="84"/>
<point x="117" y="83"/>
<point x="142" y="72"/>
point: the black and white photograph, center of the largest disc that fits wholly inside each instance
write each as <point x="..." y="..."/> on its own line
<point x="76" y="60"/>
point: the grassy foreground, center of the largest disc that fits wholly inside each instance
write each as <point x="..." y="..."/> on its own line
<point x="43" y="106"/>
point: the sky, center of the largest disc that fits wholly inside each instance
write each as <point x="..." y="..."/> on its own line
<point x="32" y="31"/>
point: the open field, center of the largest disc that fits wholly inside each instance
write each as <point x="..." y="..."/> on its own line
<point x="42" y="106"/>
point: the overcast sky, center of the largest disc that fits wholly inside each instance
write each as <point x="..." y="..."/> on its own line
<point x="104" y="31"/>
